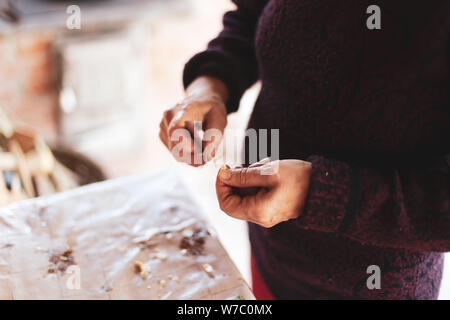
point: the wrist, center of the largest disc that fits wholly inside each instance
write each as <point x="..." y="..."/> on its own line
<point x="206" y="86"/>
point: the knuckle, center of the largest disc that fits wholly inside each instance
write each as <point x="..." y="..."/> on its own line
<point x="166" y="114"/>
<point x="225" y="207"/>
<point x="222" y="205"/>
<point x="264" y="219"/>
<point x="276" y="168"/>
<point x="243" y="176"/>
<point x="161" y="137"/>
<point x="267" y="223"/>
<point x="276" y="177"/>
<point x="259" y="216"/>
<point x="264" y="223"/>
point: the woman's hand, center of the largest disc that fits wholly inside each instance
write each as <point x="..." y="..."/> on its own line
<point x="204" y="104"/>
<point x="266" y="193"/>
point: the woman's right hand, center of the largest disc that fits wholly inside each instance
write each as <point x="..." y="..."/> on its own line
<point x="203" y="109"/>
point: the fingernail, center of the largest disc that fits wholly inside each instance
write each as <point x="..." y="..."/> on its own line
<point x="224" y="172"/>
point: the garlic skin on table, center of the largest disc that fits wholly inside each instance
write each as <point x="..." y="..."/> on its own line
<point x="160" y="255"/>
<point x="209" y="270"/>
<point x="142" y="269"/>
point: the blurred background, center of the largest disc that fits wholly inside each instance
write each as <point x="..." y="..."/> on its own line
<point x="100" y="91"/>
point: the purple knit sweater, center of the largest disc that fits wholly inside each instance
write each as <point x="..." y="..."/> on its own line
<point x="371" y="110"/>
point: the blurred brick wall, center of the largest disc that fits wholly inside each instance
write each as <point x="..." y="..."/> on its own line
<point x="27" y="79"/>
<point x="28" y="85"/>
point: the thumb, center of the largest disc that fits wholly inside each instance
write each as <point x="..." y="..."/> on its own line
<point x="247" y="177"/>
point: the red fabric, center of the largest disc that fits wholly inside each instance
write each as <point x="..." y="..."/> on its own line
<point x="260" y="289"/>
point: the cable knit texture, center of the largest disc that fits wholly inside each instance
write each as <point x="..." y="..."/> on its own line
<point x="370" y="109"/>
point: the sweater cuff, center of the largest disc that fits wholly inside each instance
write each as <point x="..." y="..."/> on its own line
<point x="332" y="197"/>
<point x="213" y="64"/>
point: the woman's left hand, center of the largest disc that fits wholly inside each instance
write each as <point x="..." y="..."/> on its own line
<point x="266" y="193"/>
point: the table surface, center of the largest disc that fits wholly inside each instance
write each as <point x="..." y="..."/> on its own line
<point x="104" y="229"/>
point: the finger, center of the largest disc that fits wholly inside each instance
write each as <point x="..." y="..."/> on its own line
<point x="244" y="192"/>
<point x="162" y="125"/>
<point x="180" y="138"/>
<point x="163" y="138"/>
<point x="215" y="123"/>
<point x="189" y="159"/>
<point x="167" y="117"/>
<point x="196" y="136"/>
<point x="177" y="120"/>
<point x="163" y="132"/>
<point x="215" y="119"/>
<point x="183" y="150"/>
<point x="196" y="132"/>
<point x="251" y="190"/>
<point x="211" y="144"/>
<point x="247" y="177"/>
<point x="260" y="163"/>
<point x="233" y="204"/>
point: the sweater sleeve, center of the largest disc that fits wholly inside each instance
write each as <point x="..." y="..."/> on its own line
<point x="393" y="207"/>
<point x="230" y="57"/>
